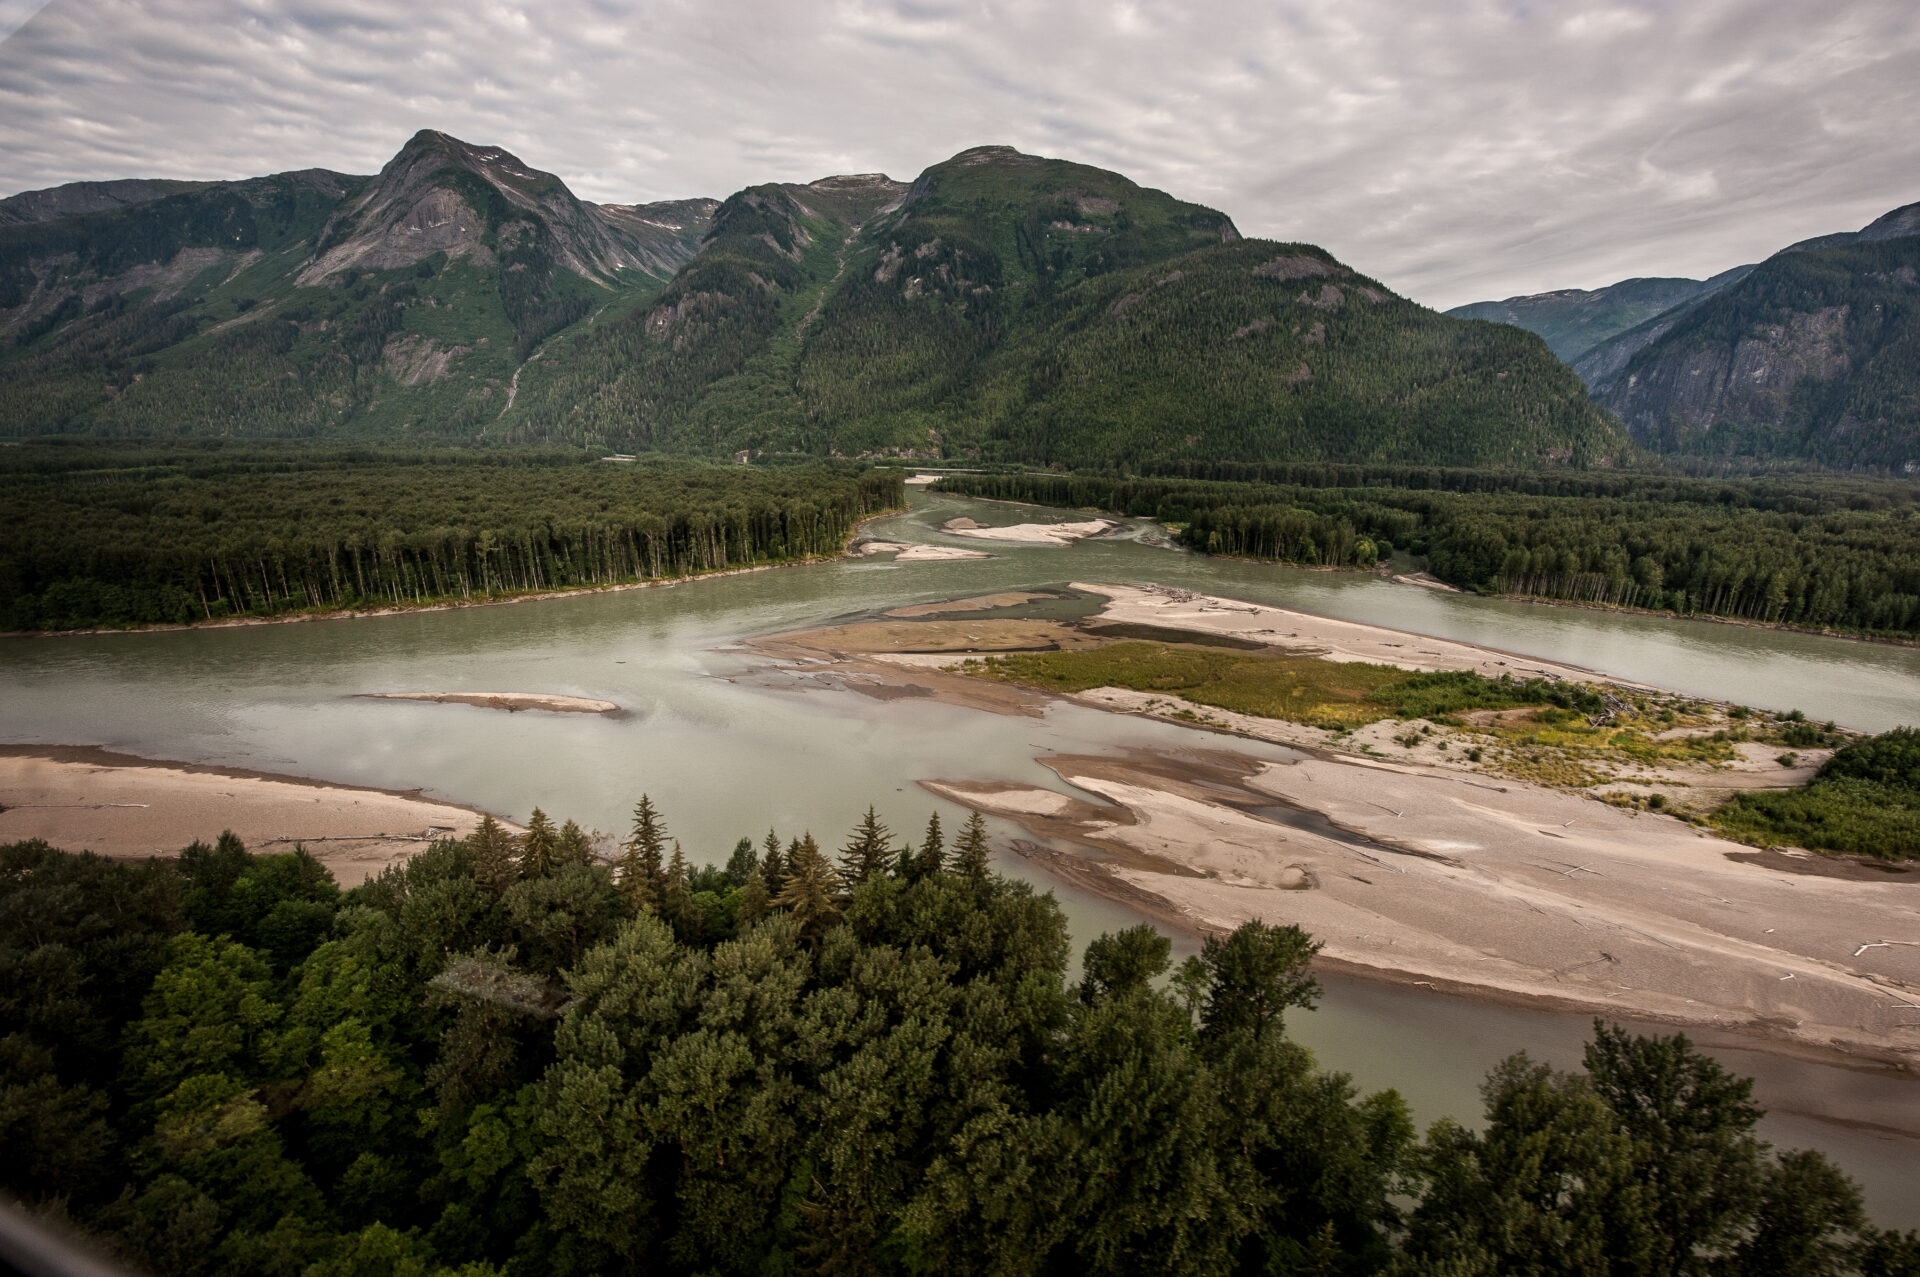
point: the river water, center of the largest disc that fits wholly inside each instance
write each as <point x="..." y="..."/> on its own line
<point x="728" y="748"/>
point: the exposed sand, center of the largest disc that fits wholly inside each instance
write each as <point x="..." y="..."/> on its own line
<point x="1323" y="636"/>
<point x="509" y="701"/>
<point x="1426" y="581"/>
<point x="922" y="480"/>
<point x="82" y="799"/>
<point x="1031" y="533"/>
<point x="903" y="552"/>
<point x="979" y="603"/>
<point x="1506" y="889"/>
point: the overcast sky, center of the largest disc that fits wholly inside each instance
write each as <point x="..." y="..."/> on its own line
<point x="1457" y="149"/>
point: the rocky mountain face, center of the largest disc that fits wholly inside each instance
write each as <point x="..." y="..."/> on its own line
<point x="1814" y="355"/>
<point x="1001" y="306"/>
<point x="1574" y="321"/>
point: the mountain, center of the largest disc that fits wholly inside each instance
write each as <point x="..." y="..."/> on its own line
<point x="1002" y="306"/>
<point x="1574" y="321"/>
<point x="1812" y="356"/>
<point x="312" y="303"/>
<point x="1013" y="307"/>
<point x="76" y="198"/>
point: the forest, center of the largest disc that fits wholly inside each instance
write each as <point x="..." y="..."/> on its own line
<point x="1818" y="551"/>
<point x="1865" y="800"/>
<point x="508" y="1055"/>
<point x="101" y="536"/>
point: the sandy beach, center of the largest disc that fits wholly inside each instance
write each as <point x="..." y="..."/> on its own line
<point x="83" y="799"/>
<point x="1030" y="533"/>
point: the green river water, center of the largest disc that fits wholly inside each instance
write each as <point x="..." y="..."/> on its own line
<point x="727" y="747"/>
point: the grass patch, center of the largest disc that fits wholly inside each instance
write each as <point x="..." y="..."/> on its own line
<point x="1265" y="684"/>
<point x="1864" y="801"/>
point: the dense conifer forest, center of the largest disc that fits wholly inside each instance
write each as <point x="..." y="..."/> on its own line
<point x="103" y="536"/>
<point x="507" y="1055"/>
<point x="1825" y="552"/>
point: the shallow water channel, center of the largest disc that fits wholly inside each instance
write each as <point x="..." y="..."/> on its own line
<point x="727" y="747"/>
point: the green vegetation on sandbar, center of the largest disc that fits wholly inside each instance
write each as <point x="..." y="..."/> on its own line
<point x="1865" y="801"/>
<point x="1269" y="684"/>
<point x="504" y="1057"/>
<point x="105" y="536"/>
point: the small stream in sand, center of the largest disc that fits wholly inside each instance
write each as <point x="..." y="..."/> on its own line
<point x="727" y="747"/>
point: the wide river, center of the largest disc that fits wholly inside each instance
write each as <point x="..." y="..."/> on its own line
<point x="728" y="748"/>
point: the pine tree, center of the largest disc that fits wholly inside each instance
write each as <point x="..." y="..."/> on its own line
<point x="866" y="853"/>
<point x="573" y="846"/>
<point x="810" y="887"/>
<point x="971" y="851"/>
<point x="676" y="898"/>
<point x="743" y="864"/>
<point x="492" y="849"/>
<point x="641" y="872"/>
<point x="933" y="850"/>
<point x="539" y="847"/>
<point x="773" y="869"/>
<point x="754" y="902"/>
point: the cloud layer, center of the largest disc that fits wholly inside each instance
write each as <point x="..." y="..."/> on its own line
<point x="1460" y="151"/>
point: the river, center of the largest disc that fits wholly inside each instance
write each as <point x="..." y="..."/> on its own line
<point x="728" y="748"/>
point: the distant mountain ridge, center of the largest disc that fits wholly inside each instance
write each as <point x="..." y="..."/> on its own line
<point x="1002" y="305"/>
<point x="1574" y="321"/>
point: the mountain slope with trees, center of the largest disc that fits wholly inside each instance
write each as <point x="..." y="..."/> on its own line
<point x="1813" y="356"/>
<point x="1004" y="307"/>
<point x="1572" y="321"/>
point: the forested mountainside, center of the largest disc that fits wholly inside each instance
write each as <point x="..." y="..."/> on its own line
<point x="1813" y="356"/>
<point x="1005" y="306"/>
<point x="1572" y="321"/>
<point x="312" y="303"/>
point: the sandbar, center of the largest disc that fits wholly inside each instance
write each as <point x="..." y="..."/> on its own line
<point x="904" y="552"/>
<point x="512" y="702"/>
<point x="126" y="807"/>
<point x="1513" y="890"/>
<point x="1031" y="533"/>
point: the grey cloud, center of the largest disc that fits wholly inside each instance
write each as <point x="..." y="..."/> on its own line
<point x="1458" y="151"/>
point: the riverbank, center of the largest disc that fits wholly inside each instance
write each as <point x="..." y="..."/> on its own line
<point x="83" y="799"/>
<point x="452" y="604"/>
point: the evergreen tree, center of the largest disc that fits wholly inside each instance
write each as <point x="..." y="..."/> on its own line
<point x="970" y="852"/>
<point x="810" y="889"/>
<point x="933" y="850"/>
<point x="573" y="845"/>
<point x="754" y="902"/>
<point x="641" y="872"/>
<point x="676" y="897"/>
<point x="539" y="847"/>
<point x="743" y="864"/>
<point x="866" y="853"/>
<point x="773" y="869"/>
<point x="492" y="849"/>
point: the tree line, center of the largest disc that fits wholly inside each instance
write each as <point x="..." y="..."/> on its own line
<point x="136" y="540"/>
<point x="1821" y="552"/>
<point x="508" y="1055"/>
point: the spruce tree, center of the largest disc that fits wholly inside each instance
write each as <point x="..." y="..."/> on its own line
<point x="492" y="849"/>
<point x="866" y="853"/>
<point x="573" y="845"/>
<point x="810" y="887"/>
<point x="754" y="901"/>
<point x="676" y="898"/>
<point x="743" y="864"/>
<point x="970" y="852"/>
<point x="641" y="872"/>
<point x="539" y="847"/>
<point x="933" y="850"/>
<point x="773" y="869"/>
